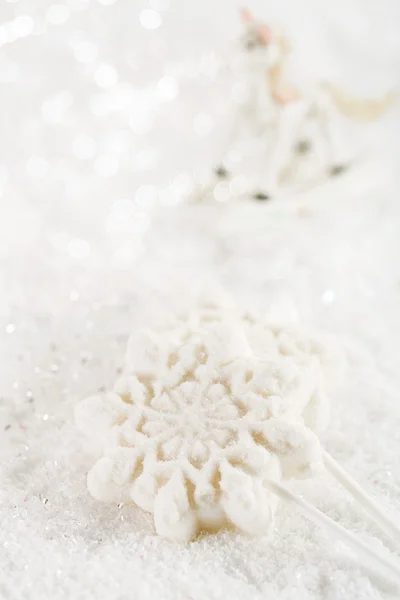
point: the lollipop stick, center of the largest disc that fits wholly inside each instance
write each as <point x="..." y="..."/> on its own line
<point x="370" y="506"/>
<point x="388" y="566"/>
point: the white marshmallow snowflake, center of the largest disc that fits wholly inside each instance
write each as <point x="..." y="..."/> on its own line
<point x="271" y="336"/>
<point x="196" y="428"/>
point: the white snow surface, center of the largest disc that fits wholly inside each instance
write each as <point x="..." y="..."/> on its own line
<point x="105" y="124"/>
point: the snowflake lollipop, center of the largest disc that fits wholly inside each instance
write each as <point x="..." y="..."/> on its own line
<point x="194" y="435"/>
<point x="203" y="433"/>
<point x="271" y="335"/>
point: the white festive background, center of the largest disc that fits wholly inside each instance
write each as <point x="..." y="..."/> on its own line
<point x="111" y="112"/>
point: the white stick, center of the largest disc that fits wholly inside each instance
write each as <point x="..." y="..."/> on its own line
<point x="389" y="567"/>
<point x="370" y="506"/>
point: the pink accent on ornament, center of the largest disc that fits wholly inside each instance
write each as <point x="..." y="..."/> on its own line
<point x="246" y="16"/>
<point x="265" y="34"/>
<point x="286" y="95"/>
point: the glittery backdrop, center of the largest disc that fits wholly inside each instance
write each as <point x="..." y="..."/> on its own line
<point x="111" y="113"/>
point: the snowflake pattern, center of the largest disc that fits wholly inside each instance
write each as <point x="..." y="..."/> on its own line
<point x="265" y="336"/>
<point x="193" y="433"/>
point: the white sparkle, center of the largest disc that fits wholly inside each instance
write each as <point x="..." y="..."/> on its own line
<point x="100" y="104"/>
<point x="4" y="174"/>
<point x="84" y="147"/>
<point x="328" y="297"/>
<point x="141" y="122"/>
<point x="125" y="254"/>
<point x="106" y="76"/>
<point x="22" y="26"/>
<point x="78" y="248"/>
<point x="122" y="210"/>
<point x="234" y="156"/>
<point x="146" y="196"/>
<point x="203" y="124"/>
<point x="160" y="4"/>
<point x="150" y="19"/>
<point x="53" y="109"/>
<point x="106" y="165"/>
<point x="182" y="185"/>
<point x="78" y="5"/>
<point x="37" y="167"/>
<point x="85" y="52"/>
<point x="118" y="141"/>
<point x="9" y="72"/>
<point x="145" y="159"/>
<point x="239" y="185"/>
<point x="57" y="14"/>
<point x="168" y="197"/>
<point x="140" y="223"/>
<point x="168" y="88"/>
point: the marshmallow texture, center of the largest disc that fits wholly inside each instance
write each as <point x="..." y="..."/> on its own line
<point x="204" y="415"/>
